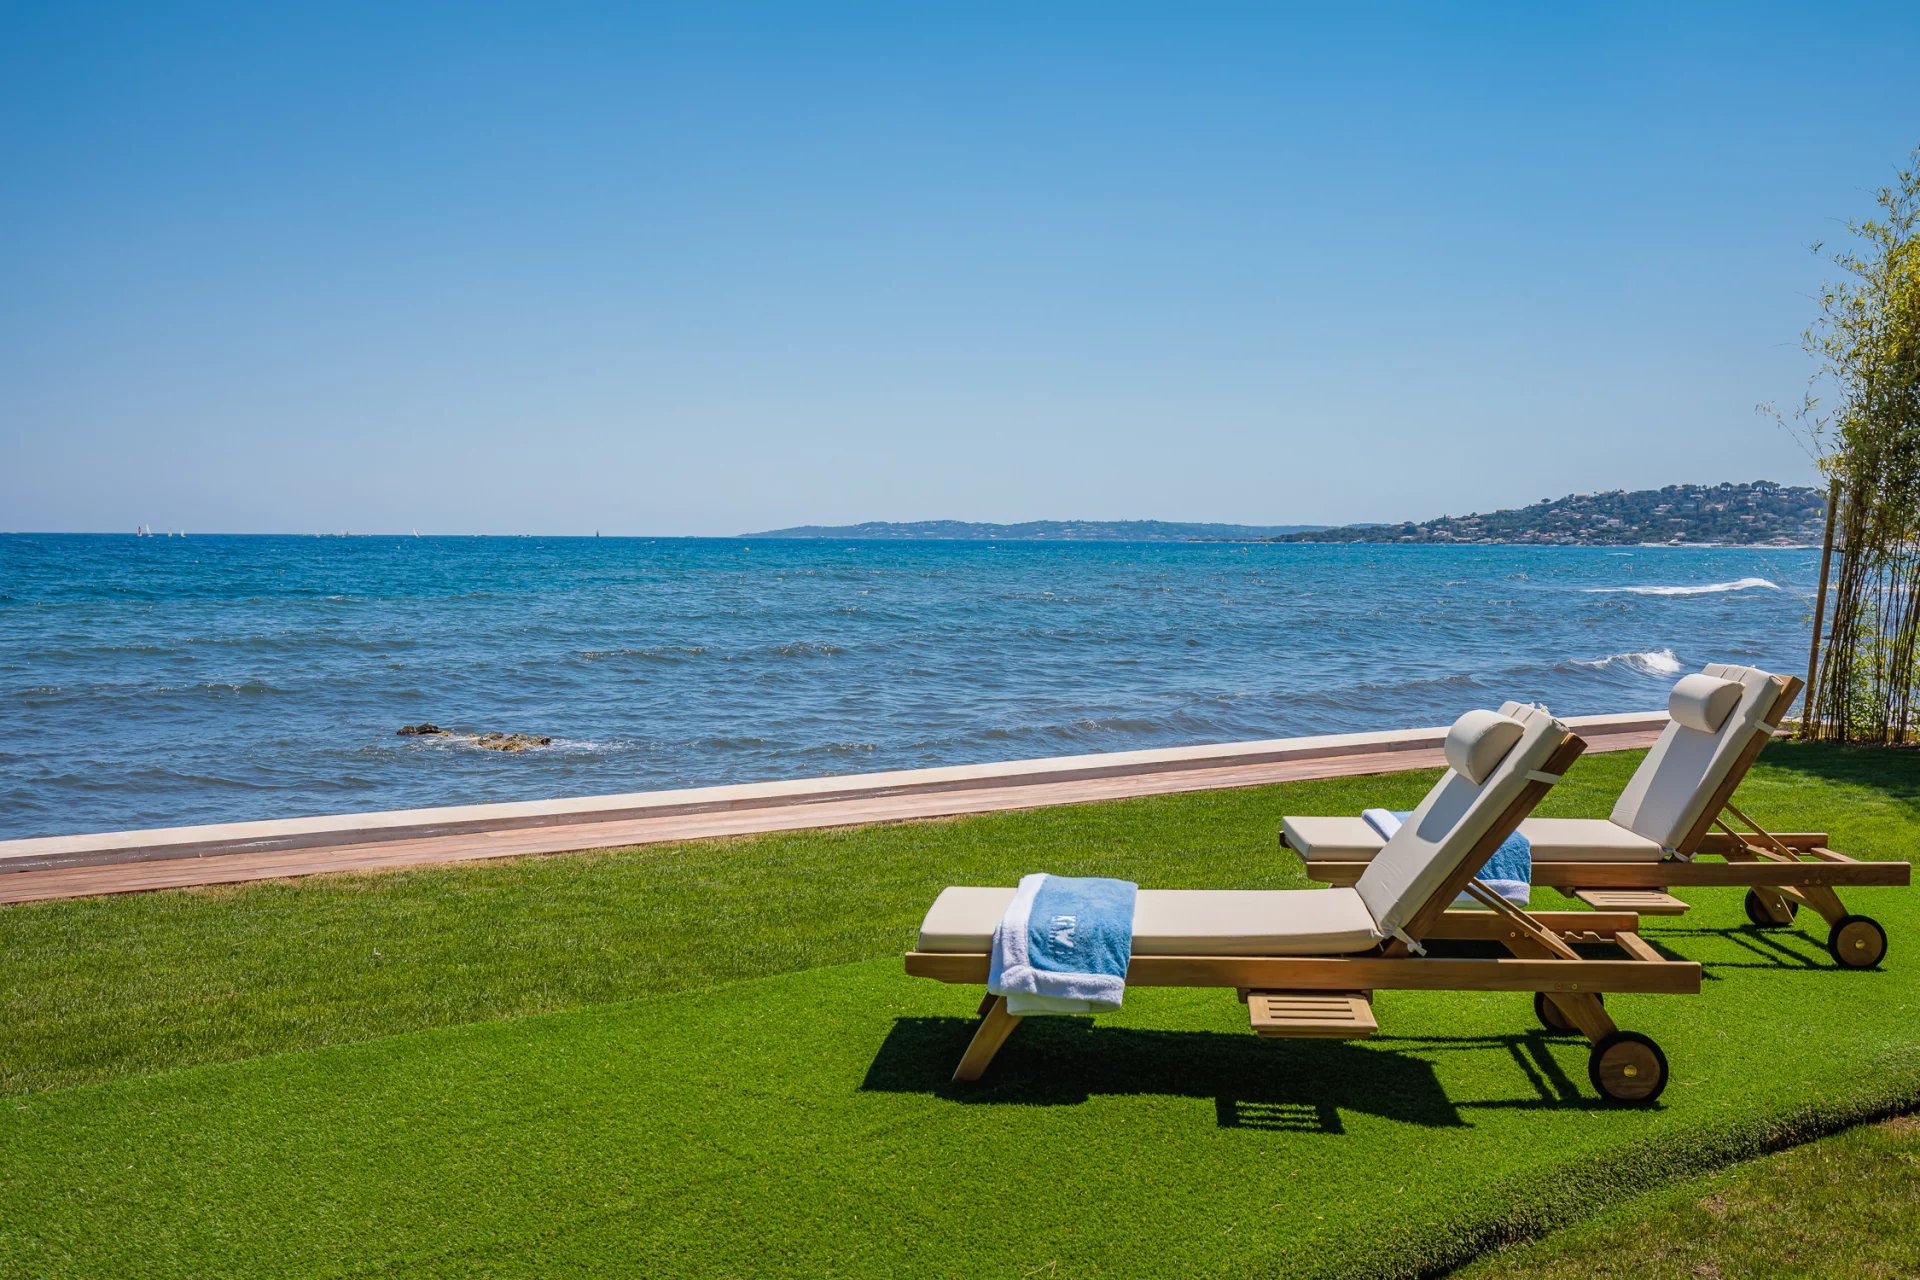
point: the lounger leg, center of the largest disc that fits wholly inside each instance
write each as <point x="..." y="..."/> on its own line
<point x="1585" y="1013"/>
<point x="1779" y="905"/>
<point x="1580" y="1010"/>
<point x="1821" y="898"/>
<point x="992" y="1032"/>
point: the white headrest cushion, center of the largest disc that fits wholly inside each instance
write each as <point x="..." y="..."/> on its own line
<point x="1479" y="741"/>
<point x="1703" y="702"/>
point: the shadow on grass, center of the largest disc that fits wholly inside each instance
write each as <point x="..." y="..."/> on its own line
<point x="1293" y="1086"/>
<point x="1788" y="948"/>
<point x="1893" y="771"/>
<point x="1553" y="1089"/>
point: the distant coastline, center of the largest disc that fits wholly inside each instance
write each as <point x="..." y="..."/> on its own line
<point x="1754" y="514"/>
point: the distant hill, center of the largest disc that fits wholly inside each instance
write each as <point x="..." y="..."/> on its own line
<point x="1756" y="514"/>
<point x="1043" y="531"/>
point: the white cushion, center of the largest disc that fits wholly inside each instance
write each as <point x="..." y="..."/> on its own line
<point x="1332" y="839"/>
<point x="1456" y="815"/>
<point x="1703" y="702"/>
<point x="1587" y="840"/>
<point x="1184" y="922"/>
<point x="1552" y="840"/>
<point x="1478" y="741"/>
<point x="1669" y="793"/>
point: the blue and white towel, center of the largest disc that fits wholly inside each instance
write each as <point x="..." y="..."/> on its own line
<point x="1509" y="872"/>
<point x="1064" y="945"/>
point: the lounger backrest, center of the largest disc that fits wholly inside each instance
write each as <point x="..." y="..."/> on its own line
<point x="1670" y="791"/>
<point x="1430" y="845"/>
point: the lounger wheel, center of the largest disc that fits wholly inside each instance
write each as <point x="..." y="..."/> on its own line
<point x="1761" y="912"/>
<point x="1857" y="942"/>
<point x="1550" y="1016"/>
<point x="1627" y="1067"/>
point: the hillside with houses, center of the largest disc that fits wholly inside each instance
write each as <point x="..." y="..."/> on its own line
<point x="1756" y="514"/>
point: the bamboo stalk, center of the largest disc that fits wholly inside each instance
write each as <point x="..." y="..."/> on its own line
<point x="1807" y="717"/>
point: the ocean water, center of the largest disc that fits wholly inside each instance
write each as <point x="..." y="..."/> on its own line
<point x="161" y="681"/>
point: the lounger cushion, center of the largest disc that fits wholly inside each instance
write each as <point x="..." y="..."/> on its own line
<point x="1478" y="741"/>
<point x="1668" y="795"/>
<point x="1184" y="922"/>
<point x="1456" y="816"/>
<point x="1703" y="702"/>
<point x="1332" y="839"/>
<point x="1587" y="840"/>
<point x="1553" y="840"/>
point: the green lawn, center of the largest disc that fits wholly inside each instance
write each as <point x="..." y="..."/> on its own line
<point x="1844" y="1207"/>
<point x="704" y="1060"/>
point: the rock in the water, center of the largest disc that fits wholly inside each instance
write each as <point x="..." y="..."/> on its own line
<point x="511" y="741"/>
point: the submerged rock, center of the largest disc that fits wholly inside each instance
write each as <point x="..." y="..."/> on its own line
<point x="511" y="741"/>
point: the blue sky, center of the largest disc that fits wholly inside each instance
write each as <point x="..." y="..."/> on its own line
<point x="556" y="267"/>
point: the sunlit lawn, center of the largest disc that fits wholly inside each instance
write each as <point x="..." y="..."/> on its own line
<point x="704" y="1059"/>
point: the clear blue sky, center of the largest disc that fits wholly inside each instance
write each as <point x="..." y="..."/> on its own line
<point x="557" y="267"/>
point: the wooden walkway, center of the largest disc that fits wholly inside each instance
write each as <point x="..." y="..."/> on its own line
<point x="137" y="874"/>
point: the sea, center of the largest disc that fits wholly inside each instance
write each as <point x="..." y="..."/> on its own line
<point x="158" y="681"/>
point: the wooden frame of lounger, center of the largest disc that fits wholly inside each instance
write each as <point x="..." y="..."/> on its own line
<point x="1782" y="871"/>
<point x="1624" y="1066"/>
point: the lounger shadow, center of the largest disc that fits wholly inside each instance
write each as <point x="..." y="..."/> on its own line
<point x="1296" y="1086"/>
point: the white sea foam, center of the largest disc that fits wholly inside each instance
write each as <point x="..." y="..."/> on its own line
<point x="1705" y="589"/>
<point x="1652" y="662"/>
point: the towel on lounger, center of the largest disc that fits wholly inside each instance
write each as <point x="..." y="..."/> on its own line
<point x="1064" y="945"/>
<point x="1509" y="872"/>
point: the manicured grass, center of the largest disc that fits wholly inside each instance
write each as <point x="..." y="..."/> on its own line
<point x="1845" y="1207"/>
<point x="359" y="1097"/>
<point x="108" y="987"/>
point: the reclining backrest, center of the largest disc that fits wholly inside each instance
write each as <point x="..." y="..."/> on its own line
<point x="1669" y="793"/>
<point x="1431" y="845"/>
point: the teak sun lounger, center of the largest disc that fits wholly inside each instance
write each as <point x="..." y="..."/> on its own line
<point x="1673" y="827"/>
<point x="1307" y="961"/>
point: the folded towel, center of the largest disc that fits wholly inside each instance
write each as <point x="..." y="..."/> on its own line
<point x="1509" y="872"/>
<point x="1064" y="945"/>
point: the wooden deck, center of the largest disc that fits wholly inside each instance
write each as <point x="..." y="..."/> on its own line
<point x="135" y="868"/>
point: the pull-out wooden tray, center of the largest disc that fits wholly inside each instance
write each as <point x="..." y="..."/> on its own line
<point x="1332" y="1015"/>
<point x="1645" y="902"/>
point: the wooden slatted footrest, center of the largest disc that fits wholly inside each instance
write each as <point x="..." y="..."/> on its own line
<point x="1341" y="1015"/>
<point x="1646" y="902"/>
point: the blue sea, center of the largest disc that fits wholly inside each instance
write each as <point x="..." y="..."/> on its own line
<point x="160" y="681"/>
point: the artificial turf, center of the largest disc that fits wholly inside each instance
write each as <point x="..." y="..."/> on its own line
<point x="329" y="1077"/>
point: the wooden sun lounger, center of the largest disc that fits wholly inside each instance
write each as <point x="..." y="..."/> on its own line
<point x="1331" y="995"/>
<point x="1781" y="872"/>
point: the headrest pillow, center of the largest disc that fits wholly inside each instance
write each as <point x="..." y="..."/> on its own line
<point x="1479" y="741"/>
<point x="1703" y="702"/>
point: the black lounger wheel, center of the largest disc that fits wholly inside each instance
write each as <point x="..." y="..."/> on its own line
<point x="1761" y="912"/>
<point x="1857" y="942"/>
<point x="1627" y="1067"/>
<point x="1550" y="1016"/>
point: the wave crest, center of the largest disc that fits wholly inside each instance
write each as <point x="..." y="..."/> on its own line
<point x="1651" y="662"/>
<point x="1706" y="589"/>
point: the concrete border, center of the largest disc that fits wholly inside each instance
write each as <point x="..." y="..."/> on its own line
<point x="49" y="852"/>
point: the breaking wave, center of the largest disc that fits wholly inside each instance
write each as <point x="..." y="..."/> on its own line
<point x="1708" y="589"/>
<point x="1652" y="662"/>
